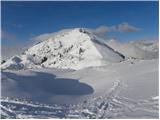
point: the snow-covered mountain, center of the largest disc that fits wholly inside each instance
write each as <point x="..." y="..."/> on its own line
<point x="127" y="89"/>
<point x="70" y="49"/>
<point x="79" y="48"/>
<point x="136" y="49"/>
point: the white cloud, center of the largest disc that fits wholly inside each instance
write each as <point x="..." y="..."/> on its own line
<point x="7" y="36"/>
<point x="123" y="27"/>
<point x="10" y="45"/>
<point x="46" y="36"/>
<point x="11" y="50"/>
<point x="101" y="29"/>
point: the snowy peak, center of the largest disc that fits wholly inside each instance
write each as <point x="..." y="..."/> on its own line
<point x="71" y="49"/>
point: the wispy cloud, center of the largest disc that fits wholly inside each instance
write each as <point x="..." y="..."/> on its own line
<point x="10" y="45"/>
<point x="101" y="29"/>
<point x="7" y="36"/>
<point x="10" y="50"/>
<point x="123" y="27"/>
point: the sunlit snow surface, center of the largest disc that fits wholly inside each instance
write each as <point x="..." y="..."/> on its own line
<point x="128" y="89"/>
<point x="76" y="74"/>
<point x="73" y="49"/>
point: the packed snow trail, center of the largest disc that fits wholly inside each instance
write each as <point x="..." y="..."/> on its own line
<point x="99" y="106"/>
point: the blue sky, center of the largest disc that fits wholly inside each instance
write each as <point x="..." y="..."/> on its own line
<point x="22" y="21"/>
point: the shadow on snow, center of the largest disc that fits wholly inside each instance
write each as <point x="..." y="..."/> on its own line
<point x="48" y="83"/>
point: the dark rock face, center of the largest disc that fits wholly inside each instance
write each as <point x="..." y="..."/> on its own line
<point x="44" y="59"/>
<point x="81" y="50"/>
<point x="3" y="61"/>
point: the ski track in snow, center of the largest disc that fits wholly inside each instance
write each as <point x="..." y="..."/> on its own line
<point x="100" y="107"/>
<point x="109" y="105"/>
<point x="80" y="50"/>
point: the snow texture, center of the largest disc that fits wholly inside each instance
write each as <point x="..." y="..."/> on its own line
<point x="72" y="49"/>
<point x="75" y="74"/>
<point x="121" y="90"/>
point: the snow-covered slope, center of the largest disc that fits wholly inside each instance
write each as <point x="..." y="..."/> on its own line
<point x="136" y="49"/>
<point x="71" y="49"/>
<point x="127" y="89"/>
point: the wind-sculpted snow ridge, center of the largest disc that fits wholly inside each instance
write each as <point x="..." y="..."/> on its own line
<point x="71" y="49"/>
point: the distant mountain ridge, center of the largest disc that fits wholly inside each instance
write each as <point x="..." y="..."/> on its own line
<point x="141" y="49"/>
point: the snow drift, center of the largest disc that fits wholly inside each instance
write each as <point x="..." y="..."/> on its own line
<point x="71" y="49"/>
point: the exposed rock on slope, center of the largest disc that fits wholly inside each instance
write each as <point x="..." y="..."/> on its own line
<point x="71" y="49"/>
